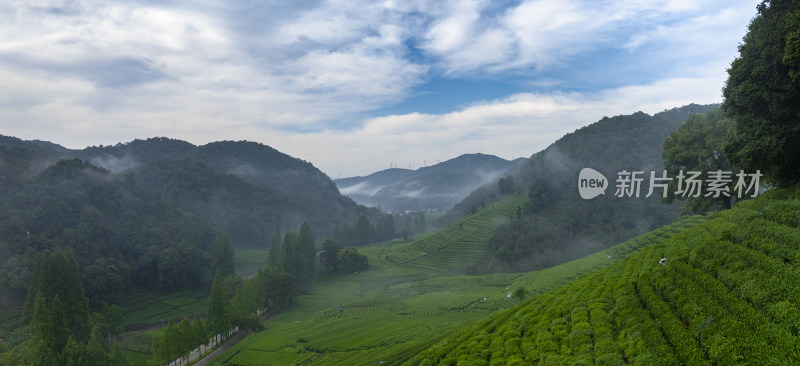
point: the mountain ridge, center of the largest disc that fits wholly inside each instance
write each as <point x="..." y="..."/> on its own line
<point x="437" y="186"/>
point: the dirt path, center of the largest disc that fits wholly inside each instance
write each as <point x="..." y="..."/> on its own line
<point x="208" y="359"/>
<point x="224" y="347"/>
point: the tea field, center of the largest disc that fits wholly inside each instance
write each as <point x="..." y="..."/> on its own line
<point x="394" y="310"/>
<point x="722" y="292"/>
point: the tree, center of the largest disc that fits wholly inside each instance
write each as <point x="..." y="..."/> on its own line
<point x="280" y="287"/>
<point x="218" y="319"/>
<point x="273" y="260"/>
<point x="330" y="249"/>
<point x="697" y="146"/>
<point x="762" y="95"/>
<point x="506" y="185"/>
<point x="222" y="254"/>
<point x="199" y="333"/>
<point x="289" y="255"/>
<point x="308" y="253"/>
<point x="56" y="275"/>
<point x="350" y="260"/>
<point x="363" y="230"/>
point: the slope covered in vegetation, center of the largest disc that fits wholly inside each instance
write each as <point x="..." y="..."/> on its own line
<point x="391" y="311"/>
<point x="556" y="224"/>
<point x="726" y="293"/>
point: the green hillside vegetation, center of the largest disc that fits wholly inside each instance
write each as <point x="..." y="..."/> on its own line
<point x="391" y="311"/>
<point x="555" y="224"/>
<point x="461" y="247"/>
<point x="120" y="233"/>
<point x="726" y="294"/>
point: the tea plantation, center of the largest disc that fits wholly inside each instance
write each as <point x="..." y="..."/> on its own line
<point x="395" y="310"/>
<point x="722" y="292"/>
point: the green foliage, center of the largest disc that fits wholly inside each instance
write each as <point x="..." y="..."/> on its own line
<point x="218" y="305"/>
<point x="330" y="249"/>
<point x="120" y="234"/>
<point x="556" y="225"/>
<point x="697" y="146"/>
<point x="56" y="279"/>
<point x="350" y="260"/>
<point x="762" y="95"/>
<point x="721" y="296"/>
<point x="222" y="255"/>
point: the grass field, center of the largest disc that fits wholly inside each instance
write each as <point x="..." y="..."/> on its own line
<point x="401" y="306"/>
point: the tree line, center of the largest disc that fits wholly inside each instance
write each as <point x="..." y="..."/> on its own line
<point x="386" y="227"/>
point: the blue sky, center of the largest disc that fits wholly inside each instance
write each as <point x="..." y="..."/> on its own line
<point x="353" y="86"/>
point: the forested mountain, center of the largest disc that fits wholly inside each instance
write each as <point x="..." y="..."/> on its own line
<point x="246" y="188"/>
<point x="147" y="212"/>
<point x="437" y="186"/>
<point x="119" y="232"/>
<point x="556" y="224"/>
<point x="243" y="188"/>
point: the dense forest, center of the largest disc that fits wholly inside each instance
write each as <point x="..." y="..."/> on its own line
<point x="556" y="224"/>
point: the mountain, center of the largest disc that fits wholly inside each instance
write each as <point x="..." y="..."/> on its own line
<point x="146" y="212"/>
<point x="438" y="186"/>
<point x="245" y="188"/>
<point x="723" y="292"/>
<point x="556" y="224"/>
<point x="117" y="230"/>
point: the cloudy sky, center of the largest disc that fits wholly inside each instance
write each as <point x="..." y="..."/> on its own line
<point x="354" y="86"/>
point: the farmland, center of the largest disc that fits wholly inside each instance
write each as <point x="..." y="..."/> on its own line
<point x="726" y="293"/>
<point x="404" y="303"/>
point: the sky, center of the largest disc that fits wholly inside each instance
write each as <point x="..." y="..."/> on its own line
<point x="356" y="86"/>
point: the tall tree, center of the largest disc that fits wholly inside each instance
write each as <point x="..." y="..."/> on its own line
<point x="56" y="275"/>
<point x="697" y="146"/>
<point x="308" y="253"/>
<point x="218" y="318"/>
<point x="328" y="256"/>
<point x="762" y="95"/>
<point x="290" y="256"/>
<point x="273" y="256"/>
<point x="222" y="254"/>
<point x="363" y="230"/>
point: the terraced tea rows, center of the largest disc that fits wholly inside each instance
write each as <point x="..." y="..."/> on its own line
<point x="723" y="292"/>
<point x="390" y="313"/>
<point x="460" y="245"/>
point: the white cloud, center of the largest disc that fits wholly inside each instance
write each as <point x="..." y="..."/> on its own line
<point x="84" y="72"/>
<point x="517" y="126"/>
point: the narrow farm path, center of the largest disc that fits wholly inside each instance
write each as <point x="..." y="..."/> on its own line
<point x="209" y="358"/>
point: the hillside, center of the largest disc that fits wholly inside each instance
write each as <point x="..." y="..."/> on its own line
<point x="118" y="231"/>
<point x="393" y="310"/>
<point x="438" y="186"/>
<point x="725" y="294"/>
<point x="220" y="182"/>
<point x="555" y="224"/>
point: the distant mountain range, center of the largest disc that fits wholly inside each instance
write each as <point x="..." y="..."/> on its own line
<point x="438" y="186"/>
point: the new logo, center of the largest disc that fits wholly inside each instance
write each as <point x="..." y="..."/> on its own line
<point x="591" y="183"/>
